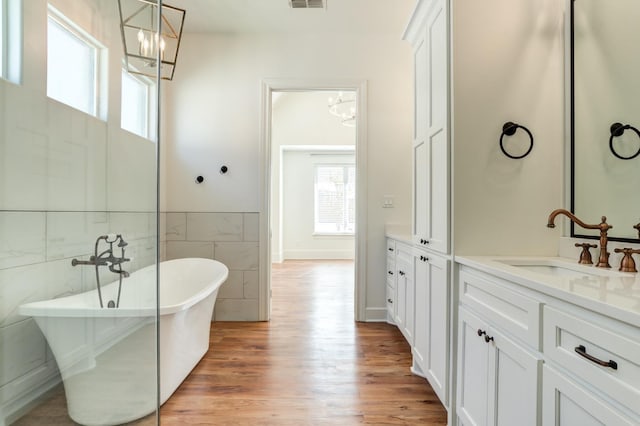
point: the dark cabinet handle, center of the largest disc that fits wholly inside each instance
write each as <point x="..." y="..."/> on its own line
<point x="390" y="272"/>
<point x="481" y="332"/>
<point x="488" y="338"/>
<point x="390" y="249"/>
<point x="389" y="300"/>
<point x="423" y="241"/>
<point x="400" y="273"/>
<point x="424" y="258"/>
<point x="582" y="351"/>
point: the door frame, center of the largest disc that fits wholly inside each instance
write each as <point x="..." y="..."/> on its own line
<point x="269" y="86"/>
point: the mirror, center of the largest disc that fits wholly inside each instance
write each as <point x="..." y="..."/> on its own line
<point x="605" y="90"/>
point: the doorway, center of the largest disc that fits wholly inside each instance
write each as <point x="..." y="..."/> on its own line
<point x="328" y="234"/>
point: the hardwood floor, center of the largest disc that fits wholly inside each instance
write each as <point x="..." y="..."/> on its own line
<point x="310" y="365"/>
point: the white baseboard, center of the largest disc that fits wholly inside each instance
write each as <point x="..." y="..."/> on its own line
<point x="376" y="315"/>
<point x="305" y="254"/>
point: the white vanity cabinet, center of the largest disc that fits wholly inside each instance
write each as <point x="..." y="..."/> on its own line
<point x="530" y="353"/>
<point x="498" y="375"/>
<point x="431" y="333"/>
<point x="428" y="34"/>
<point x="404" y="302"/>
<point x="391" y="280"/>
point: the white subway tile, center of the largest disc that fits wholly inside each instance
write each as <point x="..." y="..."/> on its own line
<point x="176" y="228"/>
<point x="23" y="238"/>
<point x="214" y="226"/>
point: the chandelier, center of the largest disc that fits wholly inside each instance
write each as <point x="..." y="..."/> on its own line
<point x="344" y="107"/>
<point x="145" y="44"/>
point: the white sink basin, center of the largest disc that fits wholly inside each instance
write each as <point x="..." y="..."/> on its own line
<point x="558" y="268"/>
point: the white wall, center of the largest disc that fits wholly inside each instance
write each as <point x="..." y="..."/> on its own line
<point x="214" y="116"/>
<point x="299" y="241"/>
<point x="302" y="119"/>
<point x="65" y="178"/>
<point x="509" y="68"/>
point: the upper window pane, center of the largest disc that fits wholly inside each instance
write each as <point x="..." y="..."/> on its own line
<point x="335" y="199"/>
<point x="71" y="68"/>
<point x="135" y="105"/>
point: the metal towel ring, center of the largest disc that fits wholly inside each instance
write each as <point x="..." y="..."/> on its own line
<point x="617" y="129"/>
<point x="509" y="128"/>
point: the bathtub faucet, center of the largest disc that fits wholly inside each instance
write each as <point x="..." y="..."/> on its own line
<point x="107" y="258"/>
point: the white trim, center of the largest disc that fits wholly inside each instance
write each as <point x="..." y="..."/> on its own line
<point x="301" y="254"/>
<point x="268" y="86"/>
<point x="376" y="315"/>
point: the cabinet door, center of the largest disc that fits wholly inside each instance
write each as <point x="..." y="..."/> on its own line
<point x="566" y="403"/>
<point x="514" y="382"/>
<point x="407" y="301"/>
<point x="430" y="222"/>
<point x="431" y="338"/>
<point x="473" y="370"/>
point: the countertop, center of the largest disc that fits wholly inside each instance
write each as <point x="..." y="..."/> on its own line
<point x="609" y="292"/>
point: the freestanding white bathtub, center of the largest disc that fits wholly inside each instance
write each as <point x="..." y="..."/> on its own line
<point x="107" y="356"/>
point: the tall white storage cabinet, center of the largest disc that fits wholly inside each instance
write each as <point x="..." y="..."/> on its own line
<point x="428" y="33"/>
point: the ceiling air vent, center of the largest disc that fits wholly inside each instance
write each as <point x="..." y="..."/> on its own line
<point x="307" y="4"/>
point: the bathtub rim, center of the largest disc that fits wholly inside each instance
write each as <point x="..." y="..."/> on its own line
<point x="55" y="307"/>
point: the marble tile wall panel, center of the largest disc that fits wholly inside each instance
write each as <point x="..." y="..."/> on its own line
<point x="251" y="285"/>
<point x="182" y="249"/>
<point x="251" y="227"/>
<point x="233" y="287"/>
<point x="236" y="310"/>
<point x="73" y="234"/>
<point x="22" y="238"/>
<point x="176" y="226"/>
<point x="242" y="256"/>
<point x="23" y="348"/>
<point x="214" y="227"/>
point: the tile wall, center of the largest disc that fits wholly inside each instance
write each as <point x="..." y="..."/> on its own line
<point x="231" y="238"/>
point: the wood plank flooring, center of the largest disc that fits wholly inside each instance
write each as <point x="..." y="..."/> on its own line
<point x="310" y="365"/>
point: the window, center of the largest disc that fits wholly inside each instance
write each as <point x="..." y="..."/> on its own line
<point x="10" y="40"/>
<point x="335" y="199"/>
<point x="138" y="104"/>
<point x="72" y="64"/>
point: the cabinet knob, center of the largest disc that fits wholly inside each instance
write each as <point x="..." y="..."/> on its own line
<point x="400" y="273"/>
<point x="488" y="338"/>
<point x="390" y="249"/>
<point x="481" y="332"/>
<point x="390" y="272"/>
<point x="389" y="300"/>
<point x="424" y="258"/>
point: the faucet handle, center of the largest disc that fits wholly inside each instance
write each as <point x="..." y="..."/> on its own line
<point x="627" y="264"/>
<point x="585" y="255"/>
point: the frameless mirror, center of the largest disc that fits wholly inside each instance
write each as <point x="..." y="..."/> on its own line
<point x="605" y="100"/>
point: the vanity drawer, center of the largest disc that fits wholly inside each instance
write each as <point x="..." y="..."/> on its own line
<point x="564" y="332"/>
<point x="391" y="247"/>
<point x="496" y="301"/>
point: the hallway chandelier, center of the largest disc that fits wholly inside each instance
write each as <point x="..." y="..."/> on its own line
<point x="143" y="44"/>
<point x="344" y="107"/>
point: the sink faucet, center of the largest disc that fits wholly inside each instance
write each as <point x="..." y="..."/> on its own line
<point x="603" y="226"/>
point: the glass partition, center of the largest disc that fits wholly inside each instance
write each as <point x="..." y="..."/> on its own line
<point x="78" y="233"/>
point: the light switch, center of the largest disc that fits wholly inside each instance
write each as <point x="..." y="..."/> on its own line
<point x="387" y="202"/>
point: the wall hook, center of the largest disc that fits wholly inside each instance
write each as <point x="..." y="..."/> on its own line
<point x="617" y="129"/>
<point x="509" y="128"/>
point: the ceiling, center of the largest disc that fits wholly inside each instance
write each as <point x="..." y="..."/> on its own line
<point x="275" y="16"/>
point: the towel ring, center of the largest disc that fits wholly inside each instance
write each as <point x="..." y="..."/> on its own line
<point x="509" y="128"/>
<point x="617" y="129"/>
